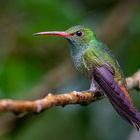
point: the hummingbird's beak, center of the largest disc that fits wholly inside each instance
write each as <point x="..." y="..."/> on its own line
<point x="54" y="33"/>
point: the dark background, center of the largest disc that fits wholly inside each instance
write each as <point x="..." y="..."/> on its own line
<point x="31" y="67"/>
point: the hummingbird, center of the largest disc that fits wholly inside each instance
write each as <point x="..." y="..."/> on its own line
<point x="96" y="62"/>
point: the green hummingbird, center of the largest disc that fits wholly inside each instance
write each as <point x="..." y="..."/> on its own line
<point x="95" y="61"/>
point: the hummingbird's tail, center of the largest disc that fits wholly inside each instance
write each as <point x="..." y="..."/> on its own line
<point x="117" y="95"/>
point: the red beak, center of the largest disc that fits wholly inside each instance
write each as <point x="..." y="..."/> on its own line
<point x="54" y="33"/>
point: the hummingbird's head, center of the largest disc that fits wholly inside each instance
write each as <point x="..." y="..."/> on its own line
<point x="79" y="36"/>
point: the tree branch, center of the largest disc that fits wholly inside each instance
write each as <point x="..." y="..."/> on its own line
<point x="20" y="106"/>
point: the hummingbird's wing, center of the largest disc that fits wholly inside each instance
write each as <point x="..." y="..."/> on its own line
<point x="116" y="95"/>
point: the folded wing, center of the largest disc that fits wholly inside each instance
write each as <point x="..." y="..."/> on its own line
<point x="117" y="95"/>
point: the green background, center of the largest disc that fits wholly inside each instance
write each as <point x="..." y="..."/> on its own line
<point x="31" y="67"/>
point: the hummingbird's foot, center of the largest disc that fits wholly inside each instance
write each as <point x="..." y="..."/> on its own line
<point x="91" y="90"/>
<point x="93" y="87"/>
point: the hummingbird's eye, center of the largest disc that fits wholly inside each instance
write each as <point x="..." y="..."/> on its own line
<point x="79" y="33"/>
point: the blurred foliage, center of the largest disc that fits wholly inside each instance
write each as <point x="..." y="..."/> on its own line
<point x="25" y="61"/>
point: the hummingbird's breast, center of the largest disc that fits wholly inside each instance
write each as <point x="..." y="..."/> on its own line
<point x="84" y="63"/>
<point x="95" y="55"/>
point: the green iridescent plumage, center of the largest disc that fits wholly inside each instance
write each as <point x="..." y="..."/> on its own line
<point x="88" y="52"/>
<point x="96" y="62"/>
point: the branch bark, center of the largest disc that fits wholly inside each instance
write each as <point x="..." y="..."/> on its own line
<point x="82" y="98"/>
